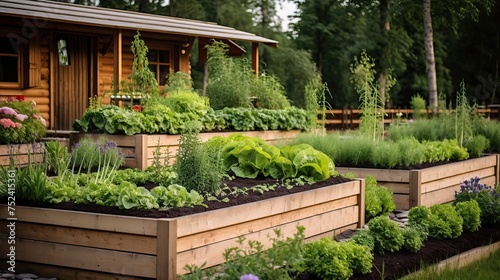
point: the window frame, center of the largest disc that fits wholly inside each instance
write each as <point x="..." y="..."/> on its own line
<point x="157" y="63"/>
<point x="20" y="53"/>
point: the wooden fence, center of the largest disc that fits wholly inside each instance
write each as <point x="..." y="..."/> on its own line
<point x="349" y="118"/>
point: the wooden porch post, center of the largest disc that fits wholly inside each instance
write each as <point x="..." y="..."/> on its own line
<point x="255" y="58"/>
<point x="117" y="55"/>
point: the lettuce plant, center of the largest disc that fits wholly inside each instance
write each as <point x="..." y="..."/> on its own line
<point x="378" y="199"/>
<point x="250" y="157"/>
<point x="328" y="259"/>
<point x="470" y="213"/>
<point x="388" y="236"/>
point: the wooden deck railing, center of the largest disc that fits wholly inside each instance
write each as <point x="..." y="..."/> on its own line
<point x="348" y="118"/>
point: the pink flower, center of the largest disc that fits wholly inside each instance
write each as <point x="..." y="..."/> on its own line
<point x="21" y="117"/>
<point x="18" y="125"/>
<point x="41" y="119"/>
<point x="8" y="111"/>
<point x="7" y="123"/>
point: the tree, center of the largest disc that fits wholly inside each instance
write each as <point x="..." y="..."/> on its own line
<point x="429" y="56"/>
<point x="453" y="11"/>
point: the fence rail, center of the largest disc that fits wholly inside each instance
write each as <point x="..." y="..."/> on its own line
<point x="348" y="118"/>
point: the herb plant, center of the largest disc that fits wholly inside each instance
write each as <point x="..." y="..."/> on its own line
<point x="282" y="260"/>
<point x="57" y="157"/>
<point x="198" y="168"/>
<point x="372" y="105"/>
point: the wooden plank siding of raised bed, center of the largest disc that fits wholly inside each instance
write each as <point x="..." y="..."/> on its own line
<point x="78" y="245"/>
<point x="434" y="185"/>
<point x="140" y="149"/>
<point x="22" y="154"/>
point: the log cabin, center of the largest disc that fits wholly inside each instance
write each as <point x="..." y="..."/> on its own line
<point x="59" y="55"/>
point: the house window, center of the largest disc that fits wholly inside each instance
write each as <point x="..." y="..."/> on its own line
<point x="9" y="62"/>
<point x="159" y="64"/>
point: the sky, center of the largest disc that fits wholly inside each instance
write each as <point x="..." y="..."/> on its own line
<point x="287" y="9"/>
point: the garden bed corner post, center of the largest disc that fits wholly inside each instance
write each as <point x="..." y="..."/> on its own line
<point x="497" y="169"/>
<point x="141" y="150"/>
<point x="361" y="203"/>
<point x="415" y="191"/>
<point x="166" y="259"/>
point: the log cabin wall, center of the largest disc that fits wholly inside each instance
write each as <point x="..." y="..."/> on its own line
<point x="40" y="60"/>
<point x="35" y="65"/>
<point x="178" y="46"/>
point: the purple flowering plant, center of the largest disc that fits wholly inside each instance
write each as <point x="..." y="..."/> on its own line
<point x="249" y="277"/>
<point x="101" y="155"/>
<point x="486" y="196"/>
<point x="20" y="123"/>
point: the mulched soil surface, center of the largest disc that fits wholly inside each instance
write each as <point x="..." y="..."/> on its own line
<point x="394" y="265"/>
<point x="398" y="264"/>
<point x="181" y="211"/>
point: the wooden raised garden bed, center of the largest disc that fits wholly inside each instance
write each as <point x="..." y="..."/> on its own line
<point x="79" y="245"/>
<point x="21" y="153"/>
<point x="140" y="149"/>
<point x="433" y="185"/>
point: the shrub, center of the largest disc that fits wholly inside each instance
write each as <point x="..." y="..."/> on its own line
<point x="445" y="222"/>
<point x="229" y="79"/>
<point x="417" y="104"/>
<point x="179" y="81"/>
<point x="20" y="122"/>
<point x="378" y="199"/>
<point x="269" y="93"/>
<point x="388" y="236"/>
<point x="470" y="213"/>
<point x="328" y="259"/>
<point x="487" y="198"/>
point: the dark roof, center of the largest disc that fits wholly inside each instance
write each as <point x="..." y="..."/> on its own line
<point x="96" y="16"/>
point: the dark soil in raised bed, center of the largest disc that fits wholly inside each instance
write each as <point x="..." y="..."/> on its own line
<point x="398" y="264"/>
<point x="394" y="265"/>
<point x="251" y="196"/>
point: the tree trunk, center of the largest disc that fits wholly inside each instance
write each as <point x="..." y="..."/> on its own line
<point x="385" y="27"/>
<point x="205" y="79"/>
<point x="429" y="57"/>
